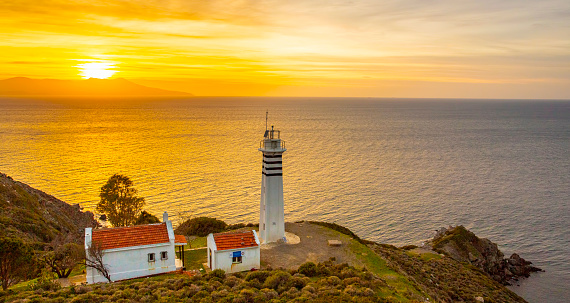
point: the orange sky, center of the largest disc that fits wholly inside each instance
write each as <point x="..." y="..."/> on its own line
<point x="374" y="48"/>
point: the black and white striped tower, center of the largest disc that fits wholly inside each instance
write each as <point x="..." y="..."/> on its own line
<point x="272" y="209"/>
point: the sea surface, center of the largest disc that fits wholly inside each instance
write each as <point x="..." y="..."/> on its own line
<point x="392" y="170"/>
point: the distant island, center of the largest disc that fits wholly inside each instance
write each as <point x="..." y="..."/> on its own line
<point x="22" y="86"/>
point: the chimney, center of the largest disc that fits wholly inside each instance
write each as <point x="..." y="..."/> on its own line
<point x="165" y="217"/>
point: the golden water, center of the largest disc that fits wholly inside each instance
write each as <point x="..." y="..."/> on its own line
<point x="391" y="170"/>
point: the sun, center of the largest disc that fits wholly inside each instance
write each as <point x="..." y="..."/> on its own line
<point x="99" y="70"/>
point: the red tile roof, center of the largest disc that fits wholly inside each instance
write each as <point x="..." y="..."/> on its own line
<point x="234" y="240"/>
<point x="131" y="236"/>
<point x="179" y="239"/>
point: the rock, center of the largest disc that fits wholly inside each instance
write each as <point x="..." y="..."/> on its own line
<point x="479" y="299"/>
<point x="334" y="243"/>
<point x="464" y="246"/>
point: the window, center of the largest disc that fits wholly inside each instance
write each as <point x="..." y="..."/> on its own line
<point x="163" y="255"/>
<point x="151" y="257"/>
<point x="236" y="259"/>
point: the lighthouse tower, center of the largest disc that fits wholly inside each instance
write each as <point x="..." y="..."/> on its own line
<point x="272" y="211"/>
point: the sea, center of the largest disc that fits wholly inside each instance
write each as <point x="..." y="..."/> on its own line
<point x="391" y="170"/>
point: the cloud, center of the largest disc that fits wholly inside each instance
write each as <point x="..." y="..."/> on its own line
<point x="308" y="40"/>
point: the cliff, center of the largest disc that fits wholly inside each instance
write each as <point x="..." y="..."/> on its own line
<point x="464" y="246"/>
<point x="35" y="216"/>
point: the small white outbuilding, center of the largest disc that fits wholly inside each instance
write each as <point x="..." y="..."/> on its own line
<point x="234" y="251"/>
<point x="135" y="251"/>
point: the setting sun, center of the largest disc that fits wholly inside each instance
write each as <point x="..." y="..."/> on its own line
<point x="99" y="70"/>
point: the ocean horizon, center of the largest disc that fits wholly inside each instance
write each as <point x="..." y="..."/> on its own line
<point x="391" y="170"/>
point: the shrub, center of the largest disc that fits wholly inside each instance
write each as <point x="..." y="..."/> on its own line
<point x="308" y="269"/>
<point x="299" y="282"/>
<point x="260" y="275"/>
<point x="217" y="273"/>
<point x="409" y="247"/>
<point x="201" y="226"/>
<point x="146" y="218"/>
<point x="45" y="282"/>
<point x="277" y="280"/>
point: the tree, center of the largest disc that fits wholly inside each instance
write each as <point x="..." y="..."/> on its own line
<point x="64" y="258"/>
<point x="201" y="226"/>
<point x="119" y="201"/>
<point x="16" y="261"/>
<point x="94" y="259"/>
<point x="146" y="218"/>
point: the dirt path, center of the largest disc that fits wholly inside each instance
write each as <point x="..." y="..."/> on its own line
<point x="313" y="247"/>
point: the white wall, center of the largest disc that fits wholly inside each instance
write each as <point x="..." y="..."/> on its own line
<point x="210" y="251"/>
<point x="132" y="262"/>
<point x="272" y="217"/>
<point x="272" y="209"/>
<point x="223" y="259"/>
<point x="250" y="259"/>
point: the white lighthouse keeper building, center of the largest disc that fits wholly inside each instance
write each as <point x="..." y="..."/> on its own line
<point x="272" y="210"/>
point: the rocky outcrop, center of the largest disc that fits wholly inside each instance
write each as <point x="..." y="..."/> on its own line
<point x="37" y="217"/>
<point x="464" y="246"/>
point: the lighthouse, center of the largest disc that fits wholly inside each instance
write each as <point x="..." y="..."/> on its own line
<point x="272" y="210"/>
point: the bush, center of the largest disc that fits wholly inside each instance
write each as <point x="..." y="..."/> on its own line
<point x="409" y="247"/>
<point x="217" y="273"/>
<point x="260" y="275"/>
<point x="45" y="282"/>
<point x="201" y="226"/>
<point x="277" y="280"/>
<point x="308" y="269"/>
<point x="146" y="218"/>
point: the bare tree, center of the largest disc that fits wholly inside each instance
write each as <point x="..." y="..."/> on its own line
<point x="183" y="216"/>
<point x="63" y="254"/>
<point x="94" y="259"/>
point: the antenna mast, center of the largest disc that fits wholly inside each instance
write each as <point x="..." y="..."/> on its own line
<point x="266" y="130"/>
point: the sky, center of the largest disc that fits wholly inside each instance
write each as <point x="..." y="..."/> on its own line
<point x="324" y="48"/>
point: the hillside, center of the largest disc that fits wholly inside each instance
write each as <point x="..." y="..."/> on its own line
<point x="35" y="216"/>
<point x="22" y="86"/>
<point x="369" y="272"/>
<point x="308" y="271"/>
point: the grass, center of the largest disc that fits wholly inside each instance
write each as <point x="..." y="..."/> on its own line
<point x="22" y="285"/>
<point x="193" y="259"/>
<point x="196" y="243"/>
<point x="377" y="265"/>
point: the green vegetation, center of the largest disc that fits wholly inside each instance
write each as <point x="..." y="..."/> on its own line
<point x="385" y="273"/>
<point x="16" y="261"/>
<point x="64" y="258"/>
<point x="332" y="283"/>
<point x="404" y="290"/>
<point x="193" y="259"/>
<point x="241" y="225"/>
<point x="339" y="228"/>
<point x="197" y="242"/>
<point x="22" y="215"/>
<point x="444" y="279"/>
<point x="146" y="218"/>
<point x="119" y="201"/>
<point x="201" y="226"/>
<point x="457" y="234"/>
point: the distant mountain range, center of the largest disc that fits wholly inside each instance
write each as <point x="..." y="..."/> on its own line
<point x="22" y="86"/>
